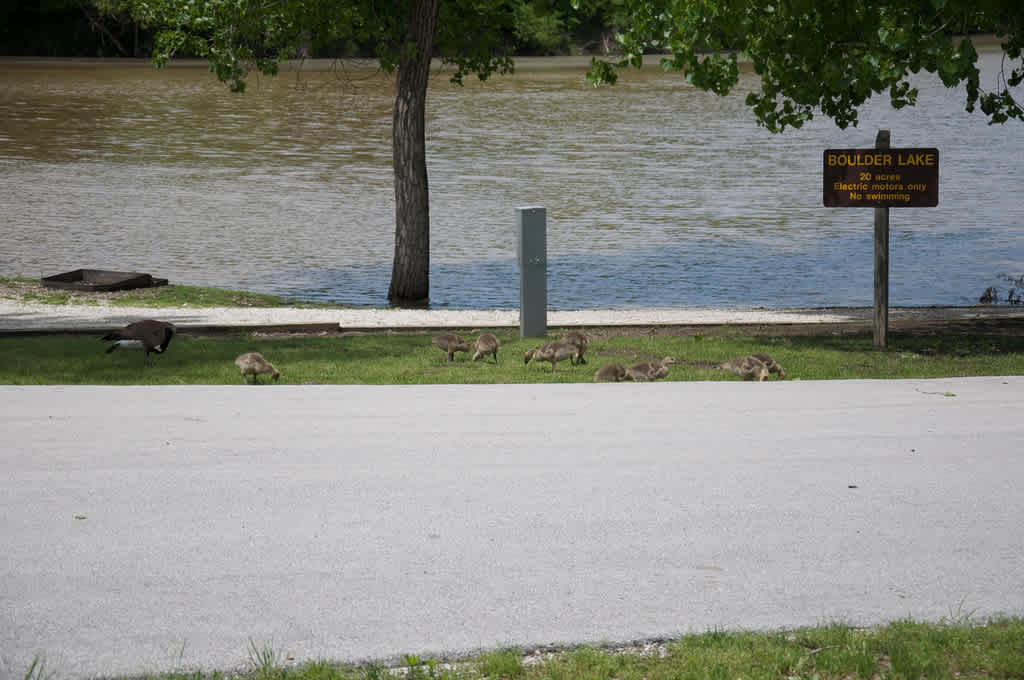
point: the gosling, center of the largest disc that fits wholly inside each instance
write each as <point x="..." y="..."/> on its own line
<point x="611" y="373"/>
<point x="651" y="370"/>
<point x="580" y="340"/>
<point x="553" y="352"/>
<point x="253" y="363"/>
<point x="769" y="363"/>
<point x="748" y="368"/>
<point x="148" y="335"/>
<point x="486" y="344"/>
<point x="450" y="343"/>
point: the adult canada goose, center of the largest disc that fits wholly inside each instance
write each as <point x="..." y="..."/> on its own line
<point x="554" y="352"/>
<point x="580" y="340"/>
<point x="610" y="373"/>
<point x="769" y="363"/>
<point x="748" y="368"/>
<point x="148" y="335"/>
<point x="486" y="344"/>
<point x="450" y="343"/>
<point x="253" y="363"/>
<point x="651" y="370"/>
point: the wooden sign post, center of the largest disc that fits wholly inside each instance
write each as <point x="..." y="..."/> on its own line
<point x="881" y="178"/>
<point x="880" y="319"/>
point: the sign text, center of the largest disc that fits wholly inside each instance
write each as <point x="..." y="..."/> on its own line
<point x="881" y="178"/>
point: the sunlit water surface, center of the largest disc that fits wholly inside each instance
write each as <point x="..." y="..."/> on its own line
<point x="657" y="194"/>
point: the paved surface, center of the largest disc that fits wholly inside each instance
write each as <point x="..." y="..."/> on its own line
<point x="158" y="528"/>
<point x="16" y="316"/>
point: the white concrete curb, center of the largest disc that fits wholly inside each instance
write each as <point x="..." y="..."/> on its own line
<point x="16" y="316"/>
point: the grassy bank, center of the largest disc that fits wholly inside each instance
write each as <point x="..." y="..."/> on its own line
<point x="807" y="352"/>
<point x="32" y="290"/>
<point x="906" y="650"/>
<point x="411" y="358"/>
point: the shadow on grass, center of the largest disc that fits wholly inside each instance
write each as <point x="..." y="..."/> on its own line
<point x="932" y="342"/>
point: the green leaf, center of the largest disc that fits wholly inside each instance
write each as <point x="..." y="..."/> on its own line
<point x="826" y="56"/>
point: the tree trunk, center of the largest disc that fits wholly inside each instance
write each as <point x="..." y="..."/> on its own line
<point x="410" y="275"/>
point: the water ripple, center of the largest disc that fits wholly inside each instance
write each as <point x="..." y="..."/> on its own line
<point x="657" y="194"/>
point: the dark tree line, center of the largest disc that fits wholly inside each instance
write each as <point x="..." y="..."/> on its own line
<point x="67" y="28"/>
<point x="104" y="28"/>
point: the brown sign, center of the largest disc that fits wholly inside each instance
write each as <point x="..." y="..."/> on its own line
<point x="881" y="178"/>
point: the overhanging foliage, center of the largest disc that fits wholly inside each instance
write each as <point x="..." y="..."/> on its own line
<point x="827" y="55"/>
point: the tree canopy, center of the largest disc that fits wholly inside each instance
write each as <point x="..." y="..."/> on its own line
<point x="826" y="55"/>
<point x="237" y="36"/>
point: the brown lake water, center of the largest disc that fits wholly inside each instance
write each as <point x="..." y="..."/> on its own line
<point x="657" y="194"/>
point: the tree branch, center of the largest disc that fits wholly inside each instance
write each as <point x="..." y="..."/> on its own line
<point x="97" y="26"/>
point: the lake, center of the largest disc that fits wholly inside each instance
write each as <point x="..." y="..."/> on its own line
<point x="657" y="194"/>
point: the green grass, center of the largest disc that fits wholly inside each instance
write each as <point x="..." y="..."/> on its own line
<point x="30" y="290"/>
<point x="903" y="650"/>
<point x="194" y="296"/>
<point x="411" y="358"/>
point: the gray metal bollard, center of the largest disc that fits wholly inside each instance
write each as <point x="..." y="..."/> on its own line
<point x="532" y="255"/>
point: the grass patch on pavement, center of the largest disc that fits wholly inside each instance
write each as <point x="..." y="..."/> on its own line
<point x="904" y="650"/>
<point x="411" y="357"/>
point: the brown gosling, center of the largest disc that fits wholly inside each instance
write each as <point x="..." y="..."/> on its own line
<point x="748" y="368"/>
<point x="580" y="340"/>
<point x="651" y="370"/>
<point x="486" y="344"/>
<point x="147" y="335"/>
<point x="610" y="373"/>
<point x="450" y="343"/>
<point x="553" y="352"/>
<point x="769" y="363"/>
<point x="253" y="363"/>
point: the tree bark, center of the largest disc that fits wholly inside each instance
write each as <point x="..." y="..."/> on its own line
<point x="410" y="274"/>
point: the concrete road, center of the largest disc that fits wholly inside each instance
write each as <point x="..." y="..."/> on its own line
<point x="152" y="529"/>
